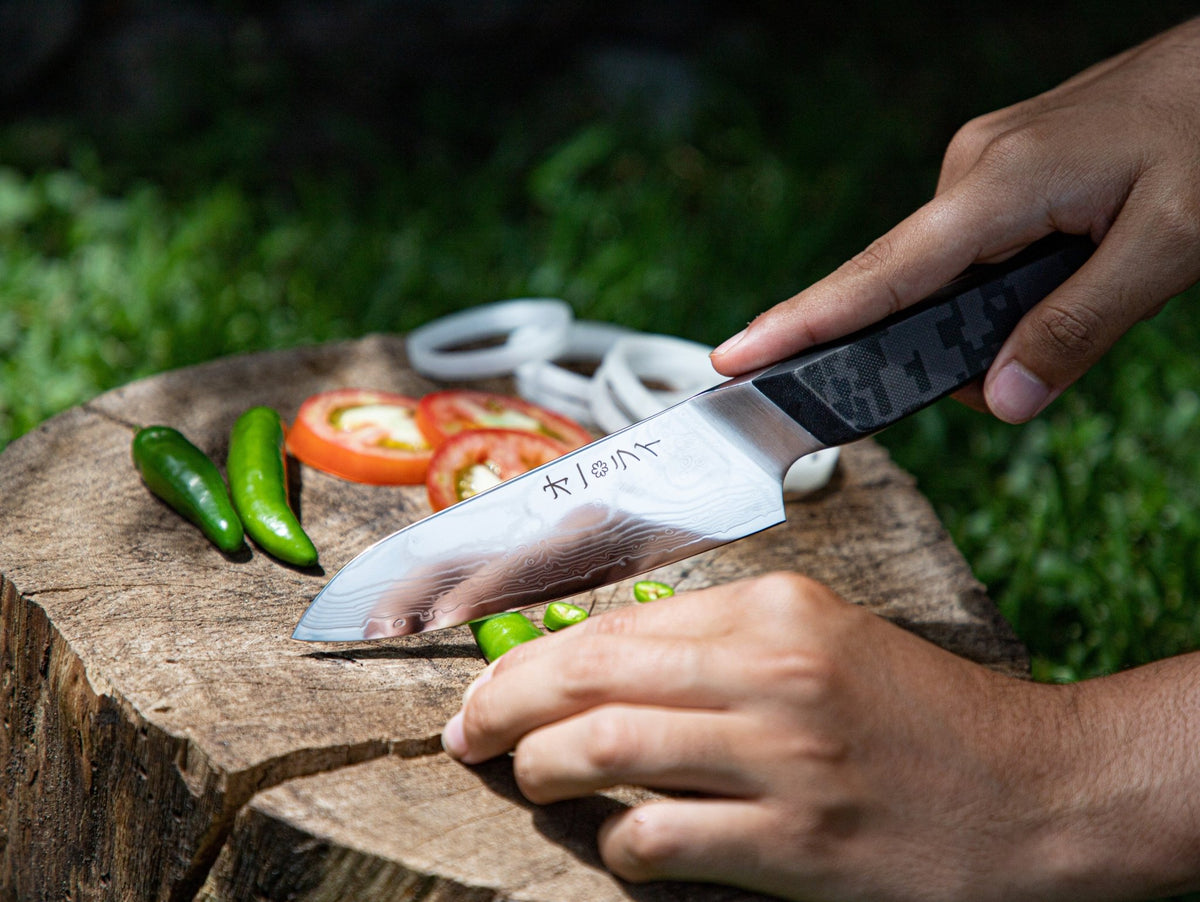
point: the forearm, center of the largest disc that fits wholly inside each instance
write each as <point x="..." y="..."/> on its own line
<point x="1119" y="813"/>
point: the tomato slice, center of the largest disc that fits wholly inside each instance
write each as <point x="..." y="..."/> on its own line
<point x="442" y="414"/>
<point x="477" y="459"/>
<point x="363" y="436"/>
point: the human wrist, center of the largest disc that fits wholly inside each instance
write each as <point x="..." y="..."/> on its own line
<point x="1106" y="789"/>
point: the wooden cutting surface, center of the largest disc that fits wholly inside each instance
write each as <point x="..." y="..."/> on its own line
<point x="165" y="738"/>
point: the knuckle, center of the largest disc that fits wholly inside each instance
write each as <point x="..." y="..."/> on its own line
<point x="970" y="139"/>
<point x="1013" y="148"/>
<point x="1069" y="333"/>
<point x="801" y="612"/>
<point x="619" y="622"/>
<point x="1178" y="222"/>
<point x="875" y="264"/>
<point x="809" y="676"/>
<point x="528" y="773"/>
<point x="586" y="670"/>
<point x="650" y="847"/>
<point x="792" y="597"/>
<point x="818" y="829"/>
<point x="781" y="582"/>
<point x="873" y="257"/>
<point x="480" y="717"/>
<point x="799" y="644"/>
<point x="612" y="742"/>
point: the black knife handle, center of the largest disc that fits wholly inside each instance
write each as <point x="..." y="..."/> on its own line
<point x="855" y="386"/>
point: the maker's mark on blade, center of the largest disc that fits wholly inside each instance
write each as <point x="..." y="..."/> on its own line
<point x="549" y="534"/>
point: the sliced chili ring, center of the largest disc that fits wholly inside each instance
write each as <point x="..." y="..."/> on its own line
<point x="651" y="590"/>
<point x="362" y="435"/>
<point x="501" y="632"/>
<point x="477" y="459"/>
<point x="561" y="614"/>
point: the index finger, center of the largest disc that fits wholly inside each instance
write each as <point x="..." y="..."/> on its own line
<point x="568" y="678"/>
<point x="662" y="657"/>
<point x="685" y="615"/>
<point x="979" y="218"/>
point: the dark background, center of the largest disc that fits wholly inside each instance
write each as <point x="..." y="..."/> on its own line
<point x="345" y="83"/>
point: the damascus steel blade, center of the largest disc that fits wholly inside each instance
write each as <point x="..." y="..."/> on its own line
<point x="700" y="474"/>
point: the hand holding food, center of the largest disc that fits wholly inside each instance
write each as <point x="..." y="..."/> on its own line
<point x="820" y="752"/>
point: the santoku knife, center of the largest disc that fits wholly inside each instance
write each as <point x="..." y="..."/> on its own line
<point x="700" y="474"/>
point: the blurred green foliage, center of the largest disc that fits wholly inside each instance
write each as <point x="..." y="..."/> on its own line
<point x="120" y="259"/>
<point x="1083" y="524"/>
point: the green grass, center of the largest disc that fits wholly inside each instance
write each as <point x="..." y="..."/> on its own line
<point x="1083" y="524"/>
<point x="123" y="256"/>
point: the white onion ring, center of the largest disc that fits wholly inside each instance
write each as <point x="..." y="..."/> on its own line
<point x="620" y="397"/>
<point x="547" y="383"/>
<point x="536" y="329"/>
<point x="540" y="331"/>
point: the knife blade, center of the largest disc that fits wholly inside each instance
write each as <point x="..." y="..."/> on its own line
<point x="702" y="473"/>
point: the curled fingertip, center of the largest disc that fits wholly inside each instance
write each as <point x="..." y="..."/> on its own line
<point x="454" y="737"/>
<point x="639" y="844"/>
<point x="614" y="847"/>
<point x="729" y="344"/>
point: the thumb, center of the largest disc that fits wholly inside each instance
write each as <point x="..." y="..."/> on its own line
<point x="1136" y="268"/>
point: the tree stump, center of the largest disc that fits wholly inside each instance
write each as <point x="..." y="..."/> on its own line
<point x="164" y="737"/>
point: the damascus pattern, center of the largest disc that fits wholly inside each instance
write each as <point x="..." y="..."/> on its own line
<point x="681" y="482"/>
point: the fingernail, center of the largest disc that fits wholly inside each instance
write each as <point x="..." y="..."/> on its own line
<point x="729" y="344"/>
<point x="1016" y="394"/>
<point x="454" y="740"/>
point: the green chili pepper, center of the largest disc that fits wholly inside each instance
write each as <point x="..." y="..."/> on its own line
<point x="258" y="483"/>
<point x="650" y="590"/>
<point x="561" y="614"/>
<point x="497" y="634"/>
<point x="183" y="476"/>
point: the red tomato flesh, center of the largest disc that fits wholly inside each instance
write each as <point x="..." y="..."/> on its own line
<point x="477" y="459"/>
<point x="363" y="436"/>
<point x="442" y="414"/>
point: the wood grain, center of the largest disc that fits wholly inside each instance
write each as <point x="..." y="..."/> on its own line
<point x="165" y="738"/>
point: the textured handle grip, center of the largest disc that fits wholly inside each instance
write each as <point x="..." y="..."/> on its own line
<point x="857" y="385"/>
